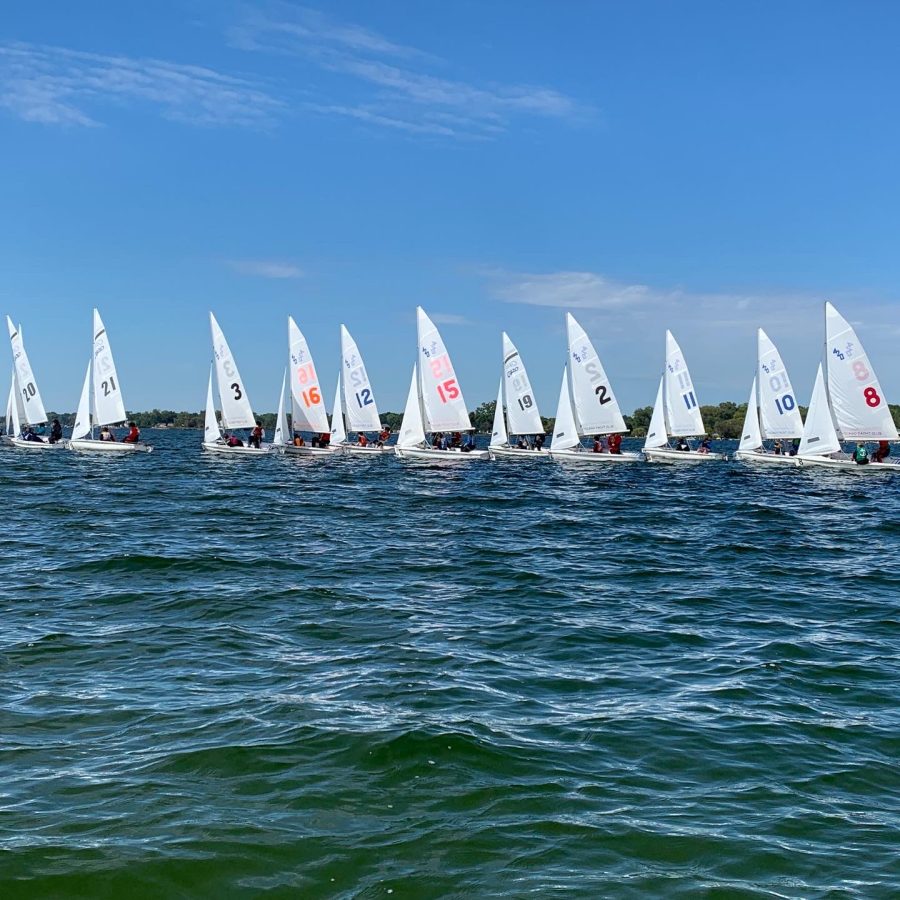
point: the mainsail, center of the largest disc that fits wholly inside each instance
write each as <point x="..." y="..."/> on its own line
<point x="442" y="400"/>
<point x="682" y="407"/>
<point x="236" y="409"/>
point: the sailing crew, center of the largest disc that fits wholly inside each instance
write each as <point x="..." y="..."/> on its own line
<point x="539" y="442"/>
<point x="384" y="436"/>
<point x="521" y="444"/>
<point x="361" y="439"/>
<point x="469" y="445"/>
<point x="106" y="434"/>
<point x="683" y="445"/>
<point x="860" y="454"/>
<point x="883" y="451"/>
<point x="614" y="442"/>
<point x="704" y="445"/>
<point x="29" y="434"/>
<point x="133" y="436"/>
<point x="598" y="444"/>
<point x="55" y="432"/>
<point x="795" y="446"/>
<point x="232" y="440"/>
<point x="777" y="448"/>
<point x="298" y="440"/>
<point x="256" y="436"/>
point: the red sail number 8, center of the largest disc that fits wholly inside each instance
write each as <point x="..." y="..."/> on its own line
<point x="872" y="398"/>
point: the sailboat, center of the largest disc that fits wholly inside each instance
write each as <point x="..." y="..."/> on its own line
<point x="516" y="411"/>
<point x="307" y="405"/>
<point x="354" y="403"/>
<point x="435" y="401"/>
<point x="236" y="409"/>
<point x="27" y="408"/>
<point x="101" y="400"/>
<point x="772" y="411"/>
<point x="676" y="412"/>
<point x="847" y="403"/>
<point x="587" y="405"/>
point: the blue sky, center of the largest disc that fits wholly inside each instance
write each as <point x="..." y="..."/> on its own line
<point x="703" y="166"/>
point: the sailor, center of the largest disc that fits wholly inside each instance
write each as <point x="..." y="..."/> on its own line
<point x="256" y="436"/>
<point x="133" y="436"/>
<point x="883" y="451"/>
<point x="55" y="432"/>
<point x="860" y="454"/>
<point x="614" y="442"/>
<point x="682" y="445"/>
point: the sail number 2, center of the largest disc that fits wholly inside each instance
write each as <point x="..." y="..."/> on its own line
<point x="601" y="390"/>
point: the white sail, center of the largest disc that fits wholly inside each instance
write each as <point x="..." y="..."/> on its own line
<point x="35" y="413"/>
<point x="499" y="437"/>
<point x="109" y="407"/>
<point x="309" y="407"/>
<point x="657" y="436"/>
<point x="596" y="408"/>
<point x="412" y="430"/>
<point x="281" y="424"/>
<point x="819" y="437"/>
<point x="359" y="399"/>
<point x="9" y="424"/>
<point x="521" y="406"/>
<point x="236" y="409"/>
<point x="751" y="438"/>
<point x="682" y="407"/>
<point x="860" y="407"/>
<point x="442" y="401"/>
<point x="211" y="430"/>
<point x="82" y="428"/>
<point x="565" y="432"/>
<point x="14" y="413"/>
<point x="778" y="409"/>
<point x="338" y="428"/>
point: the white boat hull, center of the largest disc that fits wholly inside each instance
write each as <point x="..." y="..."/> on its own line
<point x="291" y="450"/>
<point x="846" y="464"/>
<point x="667" y="455"/>
<point x="92" y="445"/>
<point x="517" y="453"/>
<point x="225" y="450"/>
<point x="765" y="459"/>
<point x="18" y="443"/>
<point x="444" y="456"/>
<point x="575" y="455"/>
<point x="368" y="450"/>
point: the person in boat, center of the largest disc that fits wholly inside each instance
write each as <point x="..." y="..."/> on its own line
<point x="298" y="440"/>
<point x="539" y="442"/>
<point x="598" y="444"/>
<point x="29" y="434"/>
<point x="795" y="446"/>
<point x="882" y="453"/>
<point x="106" y="434"/>
<point x="323" y="440"/>
<point x="704" y="445"/>
<point x="456" y="443"/>
<point x="134" y="434"/>
<point x="256" y="436"/>
<point x="614" y="442"/>
<point x="777" y="448"/>
<point x="683" y="445"/>
<point x="232" y="440"/>
<point x="384" y="436"/>
<point x="361" y="439"/>
<point x="469" y="445"/>
<point x="55" y="432"/>
<point x="521" y="444"/>
<point x="860" y="454"/>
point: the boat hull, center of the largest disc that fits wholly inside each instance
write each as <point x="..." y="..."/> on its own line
<point x="357" y="450"/>
<point x="516" y="453"/>
<point x="589" y="457"/>
<point x="765" y="459"/>
<point x="667" y="455"/>
<point x="444" y="456"/>
<point x="90" y="445"/>
<point x="848" y="465"/>
<point x="225" y="450"/>
<point x="291" y="450"/>
<point x="19" y="444"/>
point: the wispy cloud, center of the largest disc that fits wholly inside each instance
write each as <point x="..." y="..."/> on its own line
<point x="263" y="268"/>
<point x="399" y="87"/>
<point x="58" y="86"/>
<point x="448" y="319"/>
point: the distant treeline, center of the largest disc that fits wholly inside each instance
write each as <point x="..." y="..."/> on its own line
<point x="724" y="421"/>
